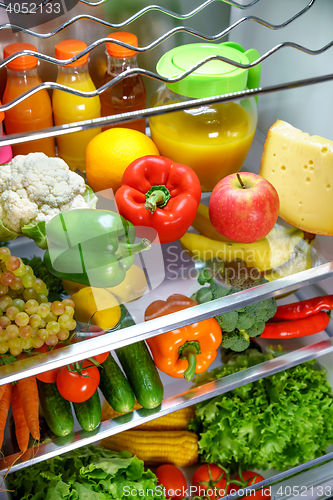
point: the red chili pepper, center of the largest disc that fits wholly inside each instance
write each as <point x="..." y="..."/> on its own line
<point x="303" y="308"/>
<point x="296" y="328"/>
<point x="161" y="194"/>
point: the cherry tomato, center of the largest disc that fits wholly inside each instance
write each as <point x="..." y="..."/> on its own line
<point x="210" y="480"/>
<point x="78" y="387"/>
<point x="250" y="478"/>
<point x="173" y="480"/>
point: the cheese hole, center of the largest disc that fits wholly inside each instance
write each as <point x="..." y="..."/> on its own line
<point x="305" y="167"/>
<point x="311" y="169"/>
<point x="310" y="162"/>
<point x="307" y="179"/>
<point x="273" y="171"/>
<point x="283" y="167"/>
<point x="274" y="154"/>
<point x="324" y="150"/>
<point x="302" y="219"/>
<point x="300" y="203"/>
<point x="328" y="186"/>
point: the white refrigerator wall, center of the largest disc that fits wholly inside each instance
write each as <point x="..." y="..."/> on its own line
<point x="308" y="108"/>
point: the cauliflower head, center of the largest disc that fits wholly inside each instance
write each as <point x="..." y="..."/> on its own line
<point x="35" y="188"/>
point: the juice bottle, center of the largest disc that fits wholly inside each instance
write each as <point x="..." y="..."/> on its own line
<point x="214" y="140"/>
<point x="69" y="108"/>
<point x="35" y="112"/>
<point x="130" y="93"/>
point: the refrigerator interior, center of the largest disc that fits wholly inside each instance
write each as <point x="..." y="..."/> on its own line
<point x="306" y="108"/>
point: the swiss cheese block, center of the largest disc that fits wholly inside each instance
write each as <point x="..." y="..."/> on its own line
<point x="300" y="167"/>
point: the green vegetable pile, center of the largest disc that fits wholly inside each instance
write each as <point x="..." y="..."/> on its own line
<point x="224" y="279"/>
<point x="89" y="473"/>
<point x="277" y="422"/>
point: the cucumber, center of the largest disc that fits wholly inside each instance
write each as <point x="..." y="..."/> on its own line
<point x="115" y="387"/>
<point x="57" y="411"/>
<point x="139" y="368"/>
<point x="89" y="413"/>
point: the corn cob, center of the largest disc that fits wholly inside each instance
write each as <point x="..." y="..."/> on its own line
<point x="157" y="447"/>
<point x="177" y="420"/>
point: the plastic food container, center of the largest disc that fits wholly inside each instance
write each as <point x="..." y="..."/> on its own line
<point x="213" y="140"/>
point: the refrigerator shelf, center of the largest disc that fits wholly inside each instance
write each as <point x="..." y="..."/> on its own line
<point x="169" y="404"/>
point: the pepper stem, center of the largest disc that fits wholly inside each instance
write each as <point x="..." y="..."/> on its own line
<point x="189" y="351"/>
<point x="240" y="181"/>
<point x="157" y="196"/>
<point x="127" y="249"/>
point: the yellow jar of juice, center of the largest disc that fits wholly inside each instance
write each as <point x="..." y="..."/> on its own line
<point x="214" y="140"/>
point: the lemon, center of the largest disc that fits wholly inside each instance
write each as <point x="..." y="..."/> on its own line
<point x="109" y="153"/>
<point x="97" y="305"/>
<point x="133" y="286"/>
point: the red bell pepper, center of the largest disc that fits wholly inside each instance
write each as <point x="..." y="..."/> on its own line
<point x="161" y="194"/>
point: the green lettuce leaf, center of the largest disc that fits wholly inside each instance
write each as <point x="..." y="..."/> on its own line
<point x="88" y="473"/>
<point x="277" y="422"/>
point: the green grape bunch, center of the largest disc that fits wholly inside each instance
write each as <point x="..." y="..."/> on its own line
<point x="27" y="319"/>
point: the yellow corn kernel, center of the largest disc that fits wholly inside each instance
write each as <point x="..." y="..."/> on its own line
<point x="176" y="420"/>
<point x="157" y="447"/>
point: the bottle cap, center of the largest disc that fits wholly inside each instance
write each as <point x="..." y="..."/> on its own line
<point x="23" y="62"/>
<point x="66" y="49"/>
<point x="119" y="52"/>
<point x="214" y="77"/>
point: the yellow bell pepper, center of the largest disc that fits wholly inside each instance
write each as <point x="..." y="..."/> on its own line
<point x="97" y="305"/>
<point x="132" y="288"/>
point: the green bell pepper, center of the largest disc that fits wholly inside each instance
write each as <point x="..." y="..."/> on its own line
<point x="91" y="247"/>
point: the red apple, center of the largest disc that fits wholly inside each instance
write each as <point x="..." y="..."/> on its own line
<point x="244" y="207"/>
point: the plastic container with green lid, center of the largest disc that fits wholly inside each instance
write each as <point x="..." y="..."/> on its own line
<point x="214" y="140"/>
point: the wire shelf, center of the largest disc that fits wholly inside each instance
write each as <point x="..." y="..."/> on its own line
<point x="152" y="45"/>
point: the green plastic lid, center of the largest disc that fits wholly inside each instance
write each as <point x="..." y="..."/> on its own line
<point x="214" y="77"/>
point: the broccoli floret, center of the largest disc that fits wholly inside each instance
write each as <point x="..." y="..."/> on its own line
<point x="204" y="294"/>
<point x="227" y="278"/>
<point x="238" y="340"/>
<point x="228" y="321"/>
<point x="245" y="321"/>
<point x="256" y="329"/>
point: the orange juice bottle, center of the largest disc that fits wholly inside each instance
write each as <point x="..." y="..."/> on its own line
<point x="130" y="93"/>
<point x="69" y="108"/>
<point x="35" y="112"/>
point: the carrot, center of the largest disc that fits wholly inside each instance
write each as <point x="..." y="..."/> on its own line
<point x="4" y="407"/>
<point x="21" y="428"/>
<point x="28" y="391"/>
<point x="2" y="390"/>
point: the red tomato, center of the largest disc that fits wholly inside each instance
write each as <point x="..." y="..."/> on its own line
<point x="210" y="480"/>
<point x="51" y="375"/>
<point x="78" y="387"/>
<point x="250" y="478"/>
<point x="100" y="358"/>
<point x="173" y="480"/>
